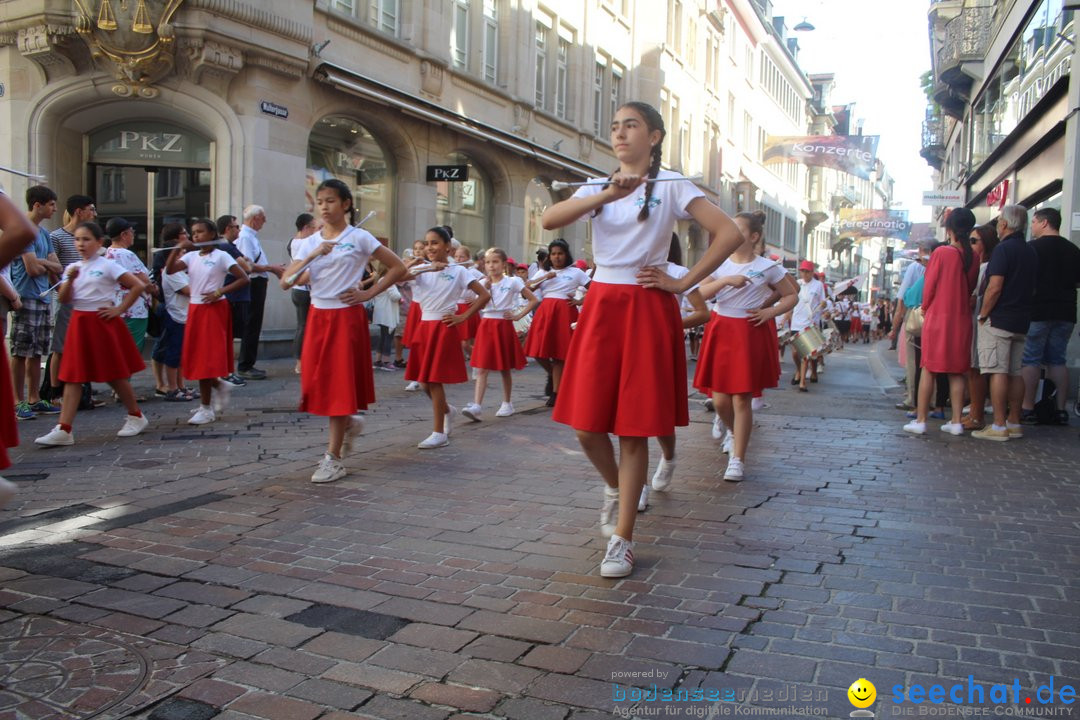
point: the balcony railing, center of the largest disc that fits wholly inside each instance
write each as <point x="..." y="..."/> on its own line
<point x="933" y="142"/>
<point x="966" y="39"/>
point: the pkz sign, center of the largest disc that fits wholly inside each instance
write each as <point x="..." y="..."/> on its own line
<point x="447" y="173"/>
<point x="143" y="143"/>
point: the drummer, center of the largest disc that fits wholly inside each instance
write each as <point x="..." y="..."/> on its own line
<point x="807" y="313"/>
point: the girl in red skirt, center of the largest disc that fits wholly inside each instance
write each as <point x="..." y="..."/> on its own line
<point x="738" y="355"/>
<point x="335" y="368"/>
<point x="549" y="334"/>
<point x="435" y="357"/>
<point x="412" y="319"/>
<point x="626" y="368"/>
<point x="208" y="337"/>
<point x="467" y="329"/>
<point x="98" y="346"/>
<point x="497" y="346"/>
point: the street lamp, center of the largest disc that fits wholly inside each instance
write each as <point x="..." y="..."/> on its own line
<point x="804" y="26"/>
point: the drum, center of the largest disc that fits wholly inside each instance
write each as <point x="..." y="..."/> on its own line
<point x="810" y="343"/>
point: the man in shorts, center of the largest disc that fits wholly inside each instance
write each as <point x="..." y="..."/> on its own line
<point x="1003" y="323"/>
<point x="80" y="209"/>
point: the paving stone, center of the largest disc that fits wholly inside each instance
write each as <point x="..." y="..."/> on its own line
<point x="343" y="647"/>
<point x="262" y="677"/>
<point x="382" y="707"/>
<point x="215" y="693"/>
<point x="556" y="659"/>
<point x="501" y="676"/>
<point x="325" y="692"/>
<point x="463" y="698"/>
<point x="491" y="647"/>
<point x="269" y="630"/>
<point x="274" y="707"/>
<point x="374" y="677"/>
<point x="421" y="661"/>
<point x="363" y="623"/>
<point x="133" y="603"/>
<point x="517" y="627"/>
<point x="203" y="594"/>
<point x="433" y="636"/>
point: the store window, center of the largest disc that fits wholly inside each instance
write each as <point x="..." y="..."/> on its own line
<point x="466" y="206"/>
<point x="342" y="148"/>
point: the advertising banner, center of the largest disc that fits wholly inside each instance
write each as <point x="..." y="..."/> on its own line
<point x="853" y="154"/>
<point x="855" y="223"/>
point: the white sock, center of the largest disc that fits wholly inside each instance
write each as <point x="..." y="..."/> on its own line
<point x="206" y="407"/>
<point x="997" y="427"/>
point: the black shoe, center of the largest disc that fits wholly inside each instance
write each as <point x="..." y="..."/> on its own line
<point x="551" y="400"/>
<point x="400" y="364"/>
<point x="549" y="389"/>
<point x="1028" y="417"/>
<point x="802" y="389"/>
<point x="1061" y="418"/>
<point x="252" y="374"/>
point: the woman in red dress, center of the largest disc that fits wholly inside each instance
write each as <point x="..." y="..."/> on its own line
<point x="947" y="328"/>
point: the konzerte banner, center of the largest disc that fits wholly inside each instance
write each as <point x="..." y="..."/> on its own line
<point x="855" y="223"/>
<point x="854" y="154"/>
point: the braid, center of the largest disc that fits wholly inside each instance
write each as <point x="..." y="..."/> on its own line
<point x="654" y="170"/>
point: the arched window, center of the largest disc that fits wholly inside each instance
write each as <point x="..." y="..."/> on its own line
<point x="466" y="205"/>
<point x="343" y="148"/>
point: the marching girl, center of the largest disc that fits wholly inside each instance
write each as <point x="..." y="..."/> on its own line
<point x="98" y="346"/>
<point x="208" y="337"/>
<point x="335" y="366"/>
<point x="17" y="233"/>
<point x="412" y="319"/>
<point x="626" y="367"/>
<point x="435" y="358"/>
<point x="467" y="329"/>
<point x="550" y="331"/>
<point x="497" y="346"/>
<point x="738" y="355"/>
<point x="694" y="315"/>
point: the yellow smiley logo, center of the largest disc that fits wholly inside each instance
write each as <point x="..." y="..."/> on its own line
<point x="862" y="693"/>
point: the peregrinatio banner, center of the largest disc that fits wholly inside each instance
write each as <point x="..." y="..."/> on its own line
<point x="857" y="223"/>
<point x="853" y="154"/>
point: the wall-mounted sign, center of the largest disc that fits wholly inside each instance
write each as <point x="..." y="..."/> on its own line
<point x="447" y="173"/>
<point x="943" y="198"/>
<point x="274" y="109"/>
<point x="999" y="195"/>
<point x="149" y="143"/>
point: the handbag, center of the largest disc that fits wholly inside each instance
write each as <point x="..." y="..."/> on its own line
<point x="913" y="322"/>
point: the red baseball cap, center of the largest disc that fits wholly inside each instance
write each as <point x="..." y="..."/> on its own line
<point x="807" y="265"/>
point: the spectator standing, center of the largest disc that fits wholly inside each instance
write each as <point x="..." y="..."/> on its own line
<point x="80" y="209"/>
<point x="248" y="244"/>
<point x="122" y="235"/>
<point x="239" y="300"/>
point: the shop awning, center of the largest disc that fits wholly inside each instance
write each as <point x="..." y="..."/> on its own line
<point x="375" y="91"/>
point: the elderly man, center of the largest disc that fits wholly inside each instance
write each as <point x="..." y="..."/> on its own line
<point x="254" y="218"/>
<point x="1003" y="322"/>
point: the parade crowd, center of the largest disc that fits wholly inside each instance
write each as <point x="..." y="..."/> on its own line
<point x="611" y="333"/>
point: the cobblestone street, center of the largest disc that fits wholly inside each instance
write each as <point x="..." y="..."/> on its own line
<point x="195" y="572"/>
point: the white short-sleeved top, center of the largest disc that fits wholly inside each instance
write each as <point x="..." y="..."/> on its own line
<point x="206" y="273"/>
<point x="621" y="241"/>
<point x="565" y="283"/>
<point x="95" y="287"/>
<point x="132" y="264"/>
<point x="764" y="275"/>
<point x="342" y="269"/>
<point x="806" y="312"/>
<point x="504" y="296"/>
<point x="678" y="272"/>
<point x="175" y="303"/>
<point x="468" y="296"/>
<point x="300" y="249"/>
<point x="438" y="292"/>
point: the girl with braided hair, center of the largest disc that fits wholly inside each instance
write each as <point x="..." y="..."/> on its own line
<point x="626" y="367"/>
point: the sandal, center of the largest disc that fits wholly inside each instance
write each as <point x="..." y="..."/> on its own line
<point x="176" y="396"/>
<point x="970" y="424"/>
<point x="794" y="381"/>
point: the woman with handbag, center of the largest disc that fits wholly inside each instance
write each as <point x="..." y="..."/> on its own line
<point x="947" y="327"/>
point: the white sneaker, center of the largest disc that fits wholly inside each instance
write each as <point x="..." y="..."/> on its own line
<point x="202" y="416"/>
<point x="609" y="511"/>
<point x="7" y="491"/>
<point x="759" y="403"/>
<point x="355" y="427"/>
<point x="729" y="442"/>
<point x="953" y="428"/>
<point x="412" y="387"/>
<point x="643" y="499"/>
<point x="56" y="437"/>
<point x="915" y="427"/>
<point x="735" y="470"/>
<point x="505" y="410"/>
<point x="619" y="558"/>
<point x="329" y="470"/>
<point x="473" y="411"/>
<point x="221" y="397"/>
<point x="717" y="428"/>
<point x="448" y="419"/>
<point x="133" y="426"/>
<point x="434" y="440"/>
<point x="661" y="479"/>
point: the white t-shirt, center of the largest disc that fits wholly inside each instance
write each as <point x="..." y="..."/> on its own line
<point x="565" y="283"/>
<point x="206" y="273"/>
<point x="764" y="275"/>
<point x="504" y="296"/>
<point x="300" y="248"/>
<point x="678" y="272"/>
<point x="175" y="303"/>
<point x="248" y="244"/>
<point x="807" y="312"/>
<point x="620" y="241"/>
<point x="95" y="288"/>
<point x="468" y="296"/>
<point x="342" y="269"/>
<point x="438" y="292"/>
<point x="132" y="264"/>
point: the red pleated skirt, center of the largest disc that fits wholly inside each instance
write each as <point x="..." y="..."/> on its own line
<point x="737" y="357"/>
<point x="9" y="433"/>
<point x="550" y="332"/>
<point x="497" y="346"/>
<point x="411" y="321"/>
<point x="436" y="356"/>
<point x="336" y="378"/>
<point x="97" y="350"/>
<point x="208" y="341"/>
<point x="626" y="369"/>
<point x="467" y="330"/>
<point x="856" y="324"/>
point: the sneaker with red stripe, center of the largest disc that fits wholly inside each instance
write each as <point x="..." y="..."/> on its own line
<point x="619" y="559"/>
